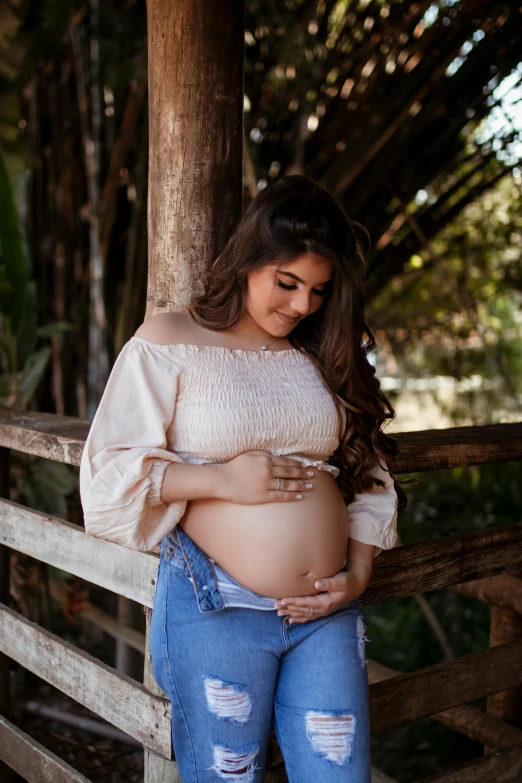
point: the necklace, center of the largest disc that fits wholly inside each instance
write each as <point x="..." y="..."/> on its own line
<point x="264" y="347"/>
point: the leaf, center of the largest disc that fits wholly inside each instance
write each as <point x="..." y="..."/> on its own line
<point x="13" y="270"/>
<point x="32" y="374"/>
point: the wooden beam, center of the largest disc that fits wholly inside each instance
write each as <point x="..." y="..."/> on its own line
<point x="59" y="438"/>
<point x="118" y="568"/>
<point x="101" y="619"/>
<point x="62" y="438"/>
<point x="432" y="565"/>
<point x="427" y="691"/>
<point x="503" y="766"/>
<point x="467" y="720"/>
<point x="457" y="447"/>
<point x="402" y="571"/>
<point x="31" y="760"/>
<point x="504" y="591"/>
<point x="110" y="694"/>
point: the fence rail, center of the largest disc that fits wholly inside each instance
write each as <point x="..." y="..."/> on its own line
<point x="144" y="712"/>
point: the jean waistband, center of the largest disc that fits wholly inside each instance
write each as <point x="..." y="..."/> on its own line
<point x="201" y="570"/>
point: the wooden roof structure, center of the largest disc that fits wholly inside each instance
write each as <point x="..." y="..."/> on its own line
<point x="397" y="89"/>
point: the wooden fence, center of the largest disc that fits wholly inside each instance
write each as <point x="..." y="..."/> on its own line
<point x="465" y="562"/>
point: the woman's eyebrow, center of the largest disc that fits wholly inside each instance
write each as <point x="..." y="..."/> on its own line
<point x="291" y="274"/>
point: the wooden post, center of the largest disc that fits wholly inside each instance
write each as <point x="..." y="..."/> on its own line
<point x="195" y="51"/>
<point x="156" y="768"/>
<point x="195" y="193"/>
<point x="506" y="626"/>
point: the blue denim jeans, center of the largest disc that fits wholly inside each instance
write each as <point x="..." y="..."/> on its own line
<point x="231" y="673"/>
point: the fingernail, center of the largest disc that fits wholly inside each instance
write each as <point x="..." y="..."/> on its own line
<point x="299" y="497"/>
<point x="319" y="584"/>
<point x="309" y="473"/>
<point x="309" y="486"/>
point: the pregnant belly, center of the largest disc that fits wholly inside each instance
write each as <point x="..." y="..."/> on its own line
<point x="275" y="549"/>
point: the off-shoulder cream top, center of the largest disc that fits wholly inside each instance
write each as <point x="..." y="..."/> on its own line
<point x="207" y="404"/>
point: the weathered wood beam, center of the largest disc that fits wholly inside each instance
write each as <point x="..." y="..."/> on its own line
<point x="31" y="760"/>
<point x="59" y="438"/>
<point x="102" y="620"/>
<point x="112" y="695"/>
<point x="432" y="565"/>
<point x="504" y="591"/>
<point x="120" y="569"/>
<point x="503" y="766"/>
<point x="467" y="720"/>
<point x="62" y="438"/>
<point x="402" y="571"/>
<point x="433" y="689"/>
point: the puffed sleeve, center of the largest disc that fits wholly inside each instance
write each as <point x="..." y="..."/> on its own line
<point x="126" y="455"/>
<point x="373" y="514"/>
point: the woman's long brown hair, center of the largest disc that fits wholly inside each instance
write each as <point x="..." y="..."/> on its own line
<point x="289" y="218"/>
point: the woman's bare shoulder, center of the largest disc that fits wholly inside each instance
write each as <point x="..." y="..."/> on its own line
<point x="167" y="328"/>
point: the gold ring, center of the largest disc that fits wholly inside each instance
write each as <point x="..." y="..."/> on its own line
<point x="311" y="611"/>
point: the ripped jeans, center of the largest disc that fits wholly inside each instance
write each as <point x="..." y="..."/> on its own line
<point x="231" y="673"/>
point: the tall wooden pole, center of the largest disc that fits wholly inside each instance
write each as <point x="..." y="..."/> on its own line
<point x="195" y="142"/>
<point x="505" y="626"/>
<point x="195" y="195"/>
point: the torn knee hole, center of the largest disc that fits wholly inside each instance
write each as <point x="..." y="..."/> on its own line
<point x="235" y="764"/>
<point x="331" y="734"/>
<point x="227" y="700"/>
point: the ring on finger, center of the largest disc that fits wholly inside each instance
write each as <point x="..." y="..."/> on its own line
<point x="278" y="485"/>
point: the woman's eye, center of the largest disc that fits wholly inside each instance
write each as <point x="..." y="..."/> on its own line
<point x="291" y="288"/>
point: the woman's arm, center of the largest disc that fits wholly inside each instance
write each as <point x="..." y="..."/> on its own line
<point x="191" y="482"/>
<point x="125" y="456"/>
<point x="373" y="518"/>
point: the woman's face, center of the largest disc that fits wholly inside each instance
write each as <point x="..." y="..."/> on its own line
<point x="295" y="289"/>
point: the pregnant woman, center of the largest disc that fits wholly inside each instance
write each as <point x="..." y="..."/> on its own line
<point x="243" y="435"/>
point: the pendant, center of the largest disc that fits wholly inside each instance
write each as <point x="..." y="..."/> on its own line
<point x="264" y="347"/>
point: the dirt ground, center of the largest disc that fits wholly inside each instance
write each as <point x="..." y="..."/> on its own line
<point x="99" y="759"/>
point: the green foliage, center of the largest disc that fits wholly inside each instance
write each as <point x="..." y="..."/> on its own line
<point x="456" y="310"/>
<point x="13" y="263"/>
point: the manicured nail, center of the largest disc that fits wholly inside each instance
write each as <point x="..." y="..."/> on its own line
<point x="309" y="473"/>
<point x="309" y="486"/>
<point x="319" y="584"/>
<point x="299" y="497"/>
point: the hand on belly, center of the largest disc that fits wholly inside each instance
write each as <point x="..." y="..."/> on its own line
<point x="275" y="549"/>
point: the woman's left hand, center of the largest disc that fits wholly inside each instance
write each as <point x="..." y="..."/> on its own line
<point x="339" y="590"/>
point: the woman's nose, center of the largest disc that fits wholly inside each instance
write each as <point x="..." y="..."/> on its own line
<point x="301" y="303"/>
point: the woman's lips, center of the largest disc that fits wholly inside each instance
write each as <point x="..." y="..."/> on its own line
<point x="286" y="319"/>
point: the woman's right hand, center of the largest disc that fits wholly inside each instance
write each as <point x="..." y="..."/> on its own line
<point x="251" y="479"/>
